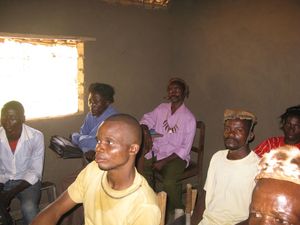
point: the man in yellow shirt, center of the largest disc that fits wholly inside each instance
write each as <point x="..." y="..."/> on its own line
<point x="110" y="188"/>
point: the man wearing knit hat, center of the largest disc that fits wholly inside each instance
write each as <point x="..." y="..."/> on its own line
<point x="169" y="152"/>
<point x="276" y="197"/>
<point x="231" y="175"/>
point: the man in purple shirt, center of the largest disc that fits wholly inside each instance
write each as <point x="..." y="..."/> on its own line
<point x="169" y="132"/>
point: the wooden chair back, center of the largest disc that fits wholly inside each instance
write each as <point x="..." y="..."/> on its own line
<point x="191" y="195"/>
<point x="162" y="202"/>
<point x="195" y="168"/>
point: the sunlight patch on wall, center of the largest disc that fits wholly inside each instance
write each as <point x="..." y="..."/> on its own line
<point x="44" y="78"/>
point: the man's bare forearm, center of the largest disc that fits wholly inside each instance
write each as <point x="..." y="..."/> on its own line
<point x="52" y="213"/>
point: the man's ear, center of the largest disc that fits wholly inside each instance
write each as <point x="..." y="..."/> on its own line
<point x="134" y="149"/>
<point x="251" y="136"/>
<point x="107" y="103"/>
<point x="22" y="118"/>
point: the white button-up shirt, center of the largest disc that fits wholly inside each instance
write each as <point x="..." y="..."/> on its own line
<point x="26" y="163"/>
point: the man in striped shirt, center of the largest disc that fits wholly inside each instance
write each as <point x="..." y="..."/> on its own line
<point x="290" y="125"/>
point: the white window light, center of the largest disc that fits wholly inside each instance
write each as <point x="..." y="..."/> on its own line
<point x="45" y="76"/>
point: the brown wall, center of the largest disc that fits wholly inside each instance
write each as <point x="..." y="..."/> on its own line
<point x="232" y="53"/>
<point x="238" y="54"/>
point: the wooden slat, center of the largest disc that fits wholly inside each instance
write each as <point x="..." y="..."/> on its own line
<point x="45" y="37"/>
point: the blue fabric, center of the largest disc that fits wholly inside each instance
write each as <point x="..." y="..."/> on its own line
<point x="29" y="199"/>
<point x="86" y="138"/>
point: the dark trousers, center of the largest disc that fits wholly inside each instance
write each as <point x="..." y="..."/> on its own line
<point x="29" y="199"/>
<point x="170" y="173"/>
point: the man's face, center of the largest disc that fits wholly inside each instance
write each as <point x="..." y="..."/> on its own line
<point x="275" y="202"/>
<point x="291" y="130"/>
<point x="112" y="149"/>
<point x="12" y="124"/>
<point x="175" y="93"/>
<point x="235" y="133"/>
<point x="97" y="104"/>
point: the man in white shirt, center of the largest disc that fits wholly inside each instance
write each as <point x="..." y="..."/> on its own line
<point x="21" y="161"/>
<point x="231" y="175"/>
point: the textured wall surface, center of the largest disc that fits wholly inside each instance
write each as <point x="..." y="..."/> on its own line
<point x="238" y="54"/>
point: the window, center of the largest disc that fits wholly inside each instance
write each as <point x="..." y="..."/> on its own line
<point x="43" y="73"/>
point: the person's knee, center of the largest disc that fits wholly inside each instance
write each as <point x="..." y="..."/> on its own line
<point x="29" y="210"/>
<point x="29" y="206"/>
<point x="169" y="184"/>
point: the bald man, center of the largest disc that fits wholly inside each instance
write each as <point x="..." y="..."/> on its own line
<point x="110" y="188"/>
<point x="276" y="197"/>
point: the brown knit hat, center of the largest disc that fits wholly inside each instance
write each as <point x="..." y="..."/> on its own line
<point x="230" y="114"/>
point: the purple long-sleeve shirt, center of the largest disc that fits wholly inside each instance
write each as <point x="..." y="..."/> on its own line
<point x="180" y="140"/>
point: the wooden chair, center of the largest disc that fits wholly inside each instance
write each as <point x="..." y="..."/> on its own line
<point x="162" y="202"/>
<point x="190" y="200"/>
<point x="195" y="168"/>
<point x="191" y="195"/>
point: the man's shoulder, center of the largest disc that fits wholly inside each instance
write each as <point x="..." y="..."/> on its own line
<point x="92" y="167"/>
<point x="218" y="156"/>
<point x="220" y="153"/>
<point x="164" y="105"/>
<point x="90" y="174"/>
<point x="273" y="139"/>
<point x="33" y="130"/>
<point x="269" y="143"/>
<point x="111" y="110"/>
<point x="146" y="190"/>
<point x="253" y="157"/>
<point x="187" y="113"/>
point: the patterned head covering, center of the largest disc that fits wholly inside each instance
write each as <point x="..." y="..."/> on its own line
<point x="282" y="163"/>
<point x="231" y="114"/>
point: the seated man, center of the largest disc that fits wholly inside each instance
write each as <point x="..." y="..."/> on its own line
<point x="110" y="188"/>
<point x="276" y="197"/>
<point x="101" y="96"/>
<point x="174" y="126"/>
<point x="230" y="178"/>
<point x="21" y="161"/>
<point x="290" y="125"/>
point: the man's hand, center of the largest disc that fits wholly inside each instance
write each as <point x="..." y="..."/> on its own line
<point x="5" y="198"/>
<point x="90" y="155"/>
<point x="158" y="165"/>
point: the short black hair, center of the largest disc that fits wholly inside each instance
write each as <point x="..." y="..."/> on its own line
<point x="105" y="90"/>
<point x="15" y="105"/>
<point x="132" y="122"/>
<point x="291" y="111"/>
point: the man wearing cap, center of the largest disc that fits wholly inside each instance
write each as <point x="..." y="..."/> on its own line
<point x="168" y="153"/>
<point x="276" y="197"/>
<point x="290" y="125"/>
<point x="230" y="178"/>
